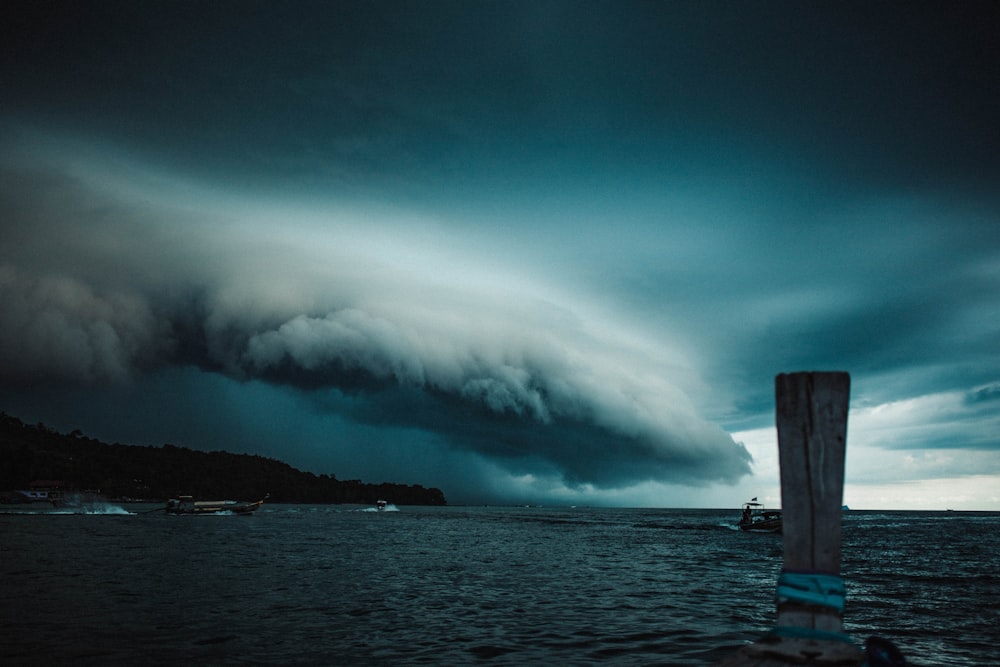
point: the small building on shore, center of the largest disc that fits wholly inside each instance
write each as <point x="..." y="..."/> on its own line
<point x="43" y="490"/>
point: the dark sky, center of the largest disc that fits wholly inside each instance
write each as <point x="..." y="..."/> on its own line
<point x="521" y="251"/>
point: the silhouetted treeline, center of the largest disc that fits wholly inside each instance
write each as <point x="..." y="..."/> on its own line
<point x="36" y="452"/>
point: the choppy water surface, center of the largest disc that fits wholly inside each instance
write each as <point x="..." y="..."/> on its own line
<point x="326" y="585"/>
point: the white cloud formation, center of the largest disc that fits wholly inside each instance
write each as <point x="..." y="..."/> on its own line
<point x="337" y="300"/>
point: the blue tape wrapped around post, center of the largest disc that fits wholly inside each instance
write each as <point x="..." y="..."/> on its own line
<point x="817" y="589"/>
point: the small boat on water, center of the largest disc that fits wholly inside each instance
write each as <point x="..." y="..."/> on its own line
<point x="188" y="505"/>
<point x="380" y="505"/>
<point x="756" y="519"/>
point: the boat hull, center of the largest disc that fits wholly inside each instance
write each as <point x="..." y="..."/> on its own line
<point x="770" y="526"/>
<point x="211" y="507"/>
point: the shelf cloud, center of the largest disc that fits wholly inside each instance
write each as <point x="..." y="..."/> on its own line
<point x="521" y="251"/>
<point x="479" y="363"/>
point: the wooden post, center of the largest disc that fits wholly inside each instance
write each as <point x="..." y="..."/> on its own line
<point x="812" y="437"/>
<point x="811" y="412"/>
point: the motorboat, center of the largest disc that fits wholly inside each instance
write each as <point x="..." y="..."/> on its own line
<point x="756" y="519"/>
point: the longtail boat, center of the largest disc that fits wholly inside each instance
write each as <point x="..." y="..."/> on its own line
<point x="188" y="505"/>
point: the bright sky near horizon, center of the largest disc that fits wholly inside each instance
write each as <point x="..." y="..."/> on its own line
<point x="523" y="251"/>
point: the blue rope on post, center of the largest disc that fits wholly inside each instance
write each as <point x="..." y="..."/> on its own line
<point x="819" y="589"/>
<point x="816" y="589"/>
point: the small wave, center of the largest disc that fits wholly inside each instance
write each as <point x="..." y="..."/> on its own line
<point x="106" y="509"/>
<point x="388" y="508"/>
<point x="687" y="526"/>
<point x="109" y="509"/>
<point x="100" y="509"/>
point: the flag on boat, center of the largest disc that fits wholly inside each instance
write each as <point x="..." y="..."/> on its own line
<point x="754" y="499"/>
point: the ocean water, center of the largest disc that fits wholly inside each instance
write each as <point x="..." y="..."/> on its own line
<point x="333" y="585"/>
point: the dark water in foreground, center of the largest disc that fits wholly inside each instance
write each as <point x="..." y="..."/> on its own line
<point x="325" y="585"/>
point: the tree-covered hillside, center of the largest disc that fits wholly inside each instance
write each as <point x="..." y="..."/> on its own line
<point x="36" y="452"/>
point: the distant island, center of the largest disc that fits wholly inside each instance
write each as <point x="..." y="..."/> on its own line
<point x="29" y="453"/>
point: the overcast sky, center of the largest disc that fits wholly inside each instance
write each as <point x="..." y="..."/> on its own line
<point x="539" y="251"/>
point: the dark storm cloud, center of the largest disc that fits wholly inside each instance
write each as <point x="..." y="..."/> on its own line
<point x="56" y="327"/>
<point x="563" y="238"/>
<point x="488" y="368"/>
<point x="406" y="96"/>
